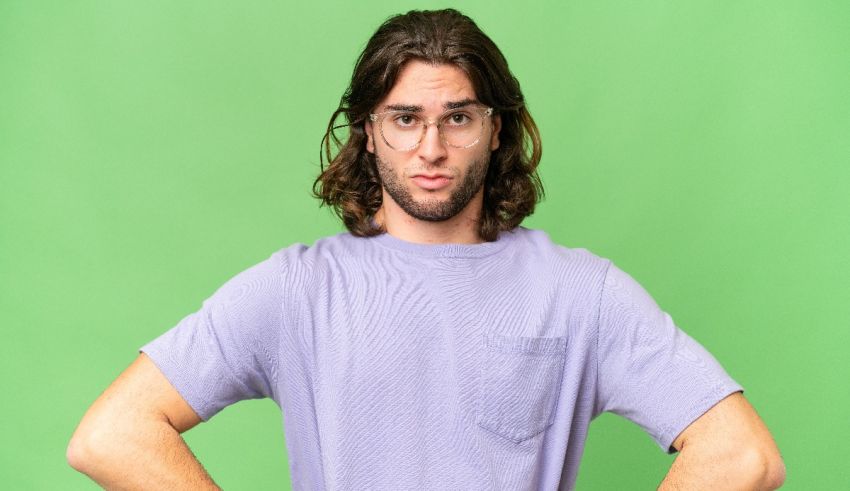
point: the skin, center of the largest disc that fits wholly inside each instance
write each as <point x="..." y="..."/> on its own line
<point x="730" y="448"/>
<point x="410" y="211"/>
<point x="430" y="209"/>
<point x="130" y="437"/>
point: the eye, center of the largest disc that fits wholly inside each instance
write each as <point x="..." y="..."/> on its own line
<point x="405" y="120"/>
<point x="458" y="119"/>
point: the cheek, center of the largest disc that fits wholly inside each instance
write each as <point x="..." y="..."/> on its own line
<point x="396" y="165"/>
<point x="384" y="167"/>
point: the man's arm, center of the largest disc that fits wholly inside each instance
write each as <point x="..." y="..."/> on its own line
<point x="728" y="447"/>
<point x="130" y="437"/>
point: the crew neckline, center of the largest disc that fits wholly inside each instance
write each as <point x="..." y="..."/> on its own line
<point x="447" y="250"/>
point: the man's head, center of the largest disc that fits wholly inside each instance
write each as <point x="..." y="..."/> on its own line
<point x="432" y="67"/>
<point x="432" y="171"/>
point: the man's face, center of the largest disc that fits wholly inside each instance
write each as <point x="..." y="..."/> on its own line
<point x="434" y="181"/>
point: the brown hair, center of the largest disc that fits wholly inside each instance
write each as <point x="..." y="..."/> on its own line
<point x="350" y="184"/>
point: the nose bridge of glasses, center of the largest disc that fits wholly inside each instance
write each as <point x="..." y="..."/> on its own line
<point x="426" y="122"/>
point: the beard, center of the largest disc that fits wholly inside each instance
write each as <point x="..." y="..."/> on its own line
<point x="432" y="209"/>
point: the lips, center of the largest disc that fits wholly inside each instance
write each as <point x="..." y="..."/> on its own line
<point x="431" y="182"/>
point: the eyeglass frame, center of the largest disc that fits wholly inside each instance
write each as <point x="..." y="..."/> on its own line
<point x="374" y="117"/>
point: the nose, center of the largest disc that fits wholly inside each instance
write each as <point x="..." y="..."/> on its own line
<point x="432" y="149"/>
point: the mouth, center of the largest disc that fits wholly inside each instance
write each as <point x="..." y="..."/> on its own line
<point x="431" y="182"/>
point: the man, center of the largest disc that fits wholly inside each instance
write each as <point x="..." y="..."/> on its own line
<point x="438" y="345"/>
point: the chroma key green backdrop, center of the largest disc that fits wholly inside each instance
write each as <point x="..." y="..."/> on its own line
<point x="151" y="150"/>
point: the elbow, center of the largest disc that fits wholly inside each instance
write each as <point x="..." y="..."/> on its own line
<point x="82" y="452"/>
<point x="87" y="451"/>
<point x="766" y="468"/>
<point x="77" y="453"/>
<point x="775" y="472"/>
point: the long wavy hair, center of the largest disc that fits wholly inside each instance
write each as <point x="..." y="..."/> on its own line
<point x="350" y="183"/>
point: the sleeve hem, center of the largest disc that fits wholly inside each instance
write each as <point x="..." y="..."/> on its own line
<point x="204" y="411"/>
<point x="670" y="433"/>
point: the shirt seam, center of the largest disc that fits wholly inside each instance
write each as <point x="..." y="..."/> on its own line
<point x="231" y="372"/>
<point x="282" y="269"/>
<point x="598" y="329"/>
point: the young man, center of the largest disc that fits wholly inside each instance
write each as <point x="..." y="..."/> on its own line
<point x="438" y="345"/>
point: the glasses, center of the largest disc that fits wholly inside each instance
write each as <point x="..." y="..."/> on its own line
<point x="458" y="128"/>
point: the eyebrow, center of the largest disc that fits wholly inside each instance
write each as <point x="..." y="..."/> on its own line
<point x="403" y="107"/>
<point x="459" y="104"/>
<point x="412" y="108"/>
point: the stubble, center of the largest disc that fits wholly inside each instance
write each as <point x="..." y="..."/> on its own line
<point x="432" y="209"/>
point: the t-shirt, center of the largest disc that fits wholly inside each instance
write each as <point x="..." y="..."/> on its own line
<point x="409" y="366"/>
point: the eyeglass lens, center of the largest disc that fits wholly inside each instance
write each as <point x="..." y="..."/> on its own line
<point x="461" y="128"/>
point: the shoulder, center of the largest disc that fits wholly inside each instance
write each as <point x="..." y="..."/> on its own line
<point x="300" y="259"/>
<point x="265" y="282"/>
<point x="339" y="245"/>
<point x="537" y="247"/>
<point x="575" y="276"/>
<point x="300" y="265"/>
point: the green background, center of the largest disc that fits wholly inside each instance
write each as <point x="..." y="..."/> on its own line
<point x="151" y="150"/>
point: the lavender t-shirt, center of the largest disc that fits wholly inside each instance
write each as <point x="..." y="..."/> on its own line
<point x="409" y="366"/>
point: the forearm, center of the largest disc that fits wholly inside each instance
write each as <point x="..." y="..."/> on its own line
<point x="152" y="456"/>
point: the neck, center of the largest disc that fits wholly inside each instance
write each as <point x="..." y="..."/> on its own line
<point x="460" y="229"/>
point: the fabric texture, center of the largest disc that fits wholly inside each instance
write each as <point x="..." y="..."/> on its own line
<point x="410" y="366"/>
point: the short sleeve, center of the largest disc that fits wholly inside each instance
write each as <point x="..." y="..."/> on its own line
<point x="649" y="370"/>
<point x="224" y="353"/>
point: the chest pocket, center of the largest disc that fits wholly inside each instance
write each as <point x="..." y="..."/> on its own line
<point x="520" y="385"/>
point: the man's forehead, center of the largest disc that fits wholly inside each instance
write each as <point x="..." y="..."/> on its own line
<point x="420" y="85"/>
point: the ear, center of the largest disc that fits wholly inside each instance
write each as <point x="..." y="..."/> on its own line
<point x="497" y="126"/>
<point x="370" y="137"/>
